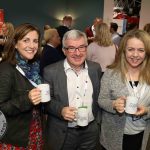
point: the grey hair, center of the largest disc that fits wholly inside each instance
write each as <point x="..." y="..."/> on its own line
<point x="73" y="34"/>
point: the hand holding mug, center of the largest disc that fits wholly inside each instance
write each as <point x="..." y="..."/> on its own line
<point x="35" y="96"/>
<point x="119" y="104"/>
<point x="69" y="113"/>
<point x="141" y="110"/>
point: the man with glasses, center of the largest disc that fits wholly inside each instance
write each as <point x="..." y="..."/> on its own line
<point x="75" y="84"/>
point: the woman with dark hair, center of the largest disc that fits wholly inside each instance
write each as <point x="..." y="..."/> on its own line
<point x="19" y="97"/>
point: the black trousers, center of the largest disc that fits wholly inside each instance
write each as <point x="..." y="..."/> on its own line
<point x="82" y="138"/>
<point x="132" y="142"/>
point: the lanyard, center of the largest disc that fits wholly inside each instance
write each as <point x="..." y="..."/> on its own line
<point x="22" y="72"/>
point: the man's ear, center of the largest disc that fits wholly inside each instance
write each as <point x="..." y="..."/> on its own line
<point x="64" y="51"/>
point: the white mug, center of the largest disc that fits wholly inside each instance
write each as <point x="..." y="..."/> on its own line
<point x="131" y="104"/>
<point x="82" y="116"/>
<point x="45" y="92"/>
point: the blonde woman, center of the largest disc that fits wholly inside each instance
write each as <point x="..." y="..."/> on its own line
<point x="6" y="31"/>
<point x="128" y="76"/>
<point x="102" y="50"/>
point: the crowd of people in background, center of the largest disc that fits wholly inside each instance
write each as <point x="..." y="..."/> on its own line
<point x="96" y="69"/>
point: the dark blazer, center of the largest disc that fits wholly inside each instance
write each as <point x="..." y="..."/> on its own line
<point x="15" y="105"/>
<point x="56" y="126"/>
<point x="49" y="55"/>
<point x="62" y="30"/>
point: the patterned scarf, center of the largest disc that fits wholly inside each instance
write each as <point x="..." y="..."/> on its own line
<point x="31" y="70"/>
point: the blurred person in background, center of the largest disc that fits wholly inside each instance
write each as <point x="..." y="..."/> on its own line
<point x="90" y="31"/>
<point x="116" y="38"/>
<point x="5" y="33"/>
<point x="46" y="27"/>
<point x="147" y="28"/>
<point x="62" y="29"/>
<point x="102" y="50"/>
<point x="50" y="53"/>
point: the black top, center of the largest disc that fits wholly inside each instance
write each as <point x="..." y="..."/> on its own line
<point x="134" y="84"/>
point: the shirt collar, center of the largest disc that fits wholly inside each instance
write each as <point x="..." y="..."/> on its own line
<point x="50" y="45"/>
<point x="93" y="30"/>
<point x="68" y="67"/>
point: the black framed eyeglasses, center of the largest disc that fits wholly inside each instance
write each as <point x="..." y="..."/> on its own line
<point x="72" y="49"/>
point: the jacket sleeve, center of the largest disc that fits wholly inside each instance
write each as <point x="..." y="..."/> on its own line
<point x="12" y="100"/>
<point x="104" y="99"/>
<point x="55" y="106"/>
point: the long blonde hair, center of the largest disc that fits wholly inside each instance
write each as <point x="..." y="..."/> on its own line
<point x="121" y="64"/>
<point x="10" y="29"/>
<point x="103" y="35"/>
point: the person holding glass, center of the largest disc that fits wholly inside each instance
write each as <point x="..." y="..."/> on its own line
<point x="72" y="112"/>
<point x="129" y="75"/>
<point x="19" y="97"/>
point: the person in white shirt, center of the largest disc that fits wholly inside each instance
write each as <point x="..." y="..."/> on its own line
<point x="75" y="83"/>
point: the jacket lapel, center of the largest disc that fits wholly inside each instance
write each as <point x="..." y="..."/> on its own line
<point x="62" y="80"/>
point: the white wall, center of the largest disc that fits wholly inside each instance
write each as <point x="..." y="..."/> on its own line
<point x="108" y="11"/>
<point x="145" y="13"/>
<point x="108" y="15"/>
